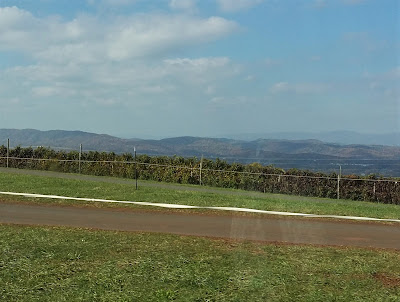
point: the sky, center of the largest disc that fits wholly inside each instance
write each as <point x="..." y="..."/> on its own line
<point x="165" y="68"/>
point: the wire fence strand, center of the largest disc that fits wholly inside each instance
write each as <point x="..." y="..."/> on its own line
<point x="216" y="173"/>
<point x="195" y="168"/>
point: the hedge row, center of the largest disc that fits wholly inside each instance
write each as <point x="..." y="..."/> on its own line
<point x="217" y="173"/>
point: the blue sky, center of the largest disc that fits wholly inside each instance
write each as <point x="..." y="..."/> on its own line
<point x="136" y="68"/>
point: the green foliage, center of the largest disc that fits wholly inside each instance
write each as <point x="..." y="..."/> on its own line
<point x="217" y="173"/>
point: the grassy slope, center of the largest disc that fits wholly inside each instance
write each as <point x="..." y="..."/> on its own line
<point x="126" y="191"/>
<point x="61" y="264"/>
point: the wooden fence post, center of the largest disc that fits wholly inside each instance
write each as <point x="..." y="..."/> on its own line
<point x="201" y="166"/>
<point x="80" y="157"/>
<point x="8" y="150"/>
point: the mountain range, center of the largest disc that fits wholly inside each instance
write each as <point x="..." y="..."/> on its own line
<point x="340" y="137"/>
<point x="308" y="153"/>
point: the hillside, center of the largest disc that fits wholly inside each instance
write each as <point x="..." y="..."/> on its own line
<point x="339" y="137"/>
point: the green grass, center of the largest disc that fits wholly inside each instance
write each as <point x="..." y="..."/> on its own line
<point x="62" y="264"/>
<point x="184" y="195"/>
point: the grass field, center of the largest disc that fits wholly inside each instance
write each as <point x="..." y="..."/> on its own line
<point x="61" y="264"/>
<point x="183" y="195"/>
<point x="65" y="264"/>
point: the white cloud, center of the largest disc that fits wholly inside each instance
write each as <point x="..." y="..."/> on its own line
<point x="232" y="6"/>
<point x="210" y="90"/>
<point x="154" y="35"/>
<point x="158" y="89"/>
<point x="119" y="2"/>
<point x="107" y="102"/>
<point x="355" y="36"/>
<point x="111" y="2"/>
<point x="299" y="88"/>
<point x="280" y="87"/>
<point x="365" y="41"/>
<point x="320" y="3"/>
<point x="184" y="5"/>
<point x="222" y="101"/>
<point x="386" y="84"/>
<point x="395" y="73"/>
<point x="374" y="85"/>
<point x="15" y="19"/>
<point x="45" y="91"/>
<point x="201" y="71"/>
<point x="353" y="2"/>
<point x="88" y="39"/>
<point x="10" y="101"/>
<point x="326" y="3"/>
<point x="118" y="60"/>
<point x="315" y="58"/>
<point x="15" y="28"/>
<point x="199" y="63"/>
<point x="271" y="62"/>
<point x="125" y="82"/>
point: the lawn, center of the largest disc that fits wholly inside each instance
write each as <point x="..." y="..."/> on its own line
<point x="62" y="264"/>
<point x="105" y="188"/>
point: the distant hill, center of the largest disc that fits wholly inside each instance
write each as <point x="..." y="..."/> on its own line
<point x="196" y="146"/>
<point x="340" y="137"/>
<point x="60" y="139"/>
<point x="310" y="153"/>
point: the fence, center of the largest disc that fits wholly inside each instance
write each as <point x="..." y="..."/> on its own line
<point x="216" y="173"/>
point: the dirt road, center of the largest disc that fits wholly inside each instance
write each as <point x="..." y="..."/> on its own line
<point x="299" y="231"/>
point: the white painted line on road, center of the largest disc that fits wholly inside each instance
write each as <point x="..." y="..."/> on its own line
<point x="178" y="206"/>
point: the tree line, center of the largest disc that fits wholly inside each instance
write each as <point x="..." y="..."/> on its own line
<point x="216" y="173"/>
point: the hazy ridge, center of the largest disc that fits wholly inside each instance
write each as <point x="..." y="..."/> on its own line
<point x="309" y="153"/>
